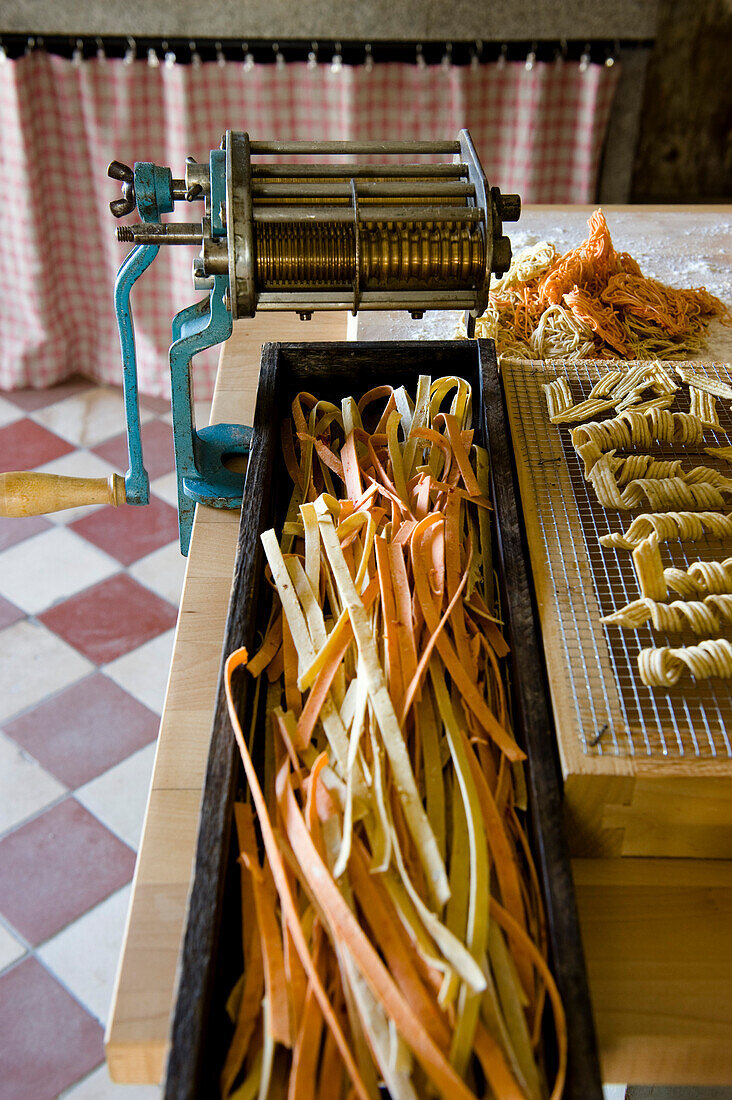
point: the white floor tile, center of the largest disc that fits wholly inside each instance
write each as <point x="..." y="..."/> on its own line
<point x="78" y="464"/>
<point x="202" y="411"/>
<point x="10" y="949"/>
<point x="34" y="663"/>
<point x="118" y="797"/>
<point x="613" y="1092"/>
<point x="144" y="671"/>
<point x="88" y="418"/>
<point x="166" y="487"/>
<point x="9" y="412"/>
<point x="49" y="567"/>
<point x="201" y="414"/>
<point x="25" y="787"/>
<point x="84" y="956"/>
<point x="162" y="571"/>
<point x="98" y="1086"/>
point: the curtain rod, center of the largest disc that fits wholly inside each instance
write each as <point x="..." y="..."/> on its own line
<point x="260" y="51"/>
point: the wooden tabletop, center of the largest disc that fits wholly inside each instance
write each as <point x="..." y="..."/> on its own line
<point x="657" y="933"/>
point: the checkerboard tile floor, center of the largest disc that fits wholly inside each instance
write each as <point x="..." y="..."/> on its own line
<point x="88" y="605"/>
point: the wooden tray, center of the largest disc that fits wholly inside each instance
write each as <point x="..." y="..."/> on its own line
<point x="211" y="957"/>
<point x="646" y="771"/>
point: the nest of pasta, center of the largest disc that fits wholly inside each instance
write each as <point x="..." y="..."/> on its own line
<point x="593" y="302"/>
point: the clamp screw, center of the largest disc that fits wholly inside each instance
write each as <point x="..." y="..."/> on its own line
<point x="123" y="173"/>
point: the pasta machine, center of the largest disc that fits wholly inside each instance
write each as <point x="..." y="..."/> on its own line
<point x="305" y="235"/>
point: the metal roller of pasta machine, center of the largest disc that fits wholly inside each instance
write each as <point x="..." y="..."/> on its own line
<point x="300" y="236"/>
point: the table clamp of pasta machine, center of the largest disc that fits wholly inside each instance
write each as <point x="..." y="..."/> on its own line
<point x="299" y="236"/>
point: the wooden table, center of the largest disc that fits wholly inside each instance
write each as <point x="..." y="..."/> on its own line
<point x="657" y="933"/>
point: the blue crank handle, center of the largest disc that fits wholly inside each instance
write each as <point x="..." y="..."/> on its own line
<point x="137" y="482"/>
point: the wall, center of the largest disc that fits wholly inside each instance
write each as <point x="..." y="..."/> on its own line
<point x="409" y="20"/>
<point x="685" y="146"/>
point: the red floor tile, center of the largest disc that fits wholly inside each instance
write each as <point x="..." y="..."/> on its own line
<point x="16" y="530"/>
<point x="84" y="730"/>
<point x="25" y="445"/>
<point x="30" y="400"/>
<point x="9" y="613"/>
<point x="56" y="867"/>
<point x="129" y="533"/>
<point x="157" y="449"/>
<point x="48" y="1041"/>
<point x="110" y="618"/>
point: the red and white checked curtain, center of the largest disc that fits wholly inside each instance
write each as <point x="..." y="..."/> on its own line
<point x="539" y="132"/>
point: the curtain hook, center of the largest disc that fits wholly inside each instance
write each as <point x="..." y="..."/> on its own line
<point x="78" y="55"/>
<point x="560" y="53"/>
<point x="131" y="51"/>
<point x="530" y="58"/>
<point x="476" y="53"/>
<point x="195" y="55"/>
<point x="248" y="57"/>
<point x="446" y="61"/>
<point x="220" y="57"/>
<point x="30" y="45"/>
<point x="152" y="58"/>
<point x="313" y="56"/>
<point x="585" y="59"/>
<point x="502" y="57"/>
<point x="279" y="56"/>
<point x="612" y="53"/>
<point x="421" y="63"/>
<point x="368" y="60"/>
<point x="168" y="55"/>
<point x="3" y="53"/>
<point x="101" y="55"/>
<point x="337" y="62"/>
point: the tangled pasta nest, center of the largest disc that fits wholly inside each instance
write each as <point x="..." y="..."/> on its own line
<point x="593" y="302"/>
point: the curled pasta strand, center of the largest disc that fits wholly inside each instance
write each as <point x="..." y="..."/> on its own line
<point x="664" y="667"/>
<point x="707" y="616"/>
<point x="704" y="405"/>
<point x="695" y="380"/>
<point x="606" y="383"/>
<point x="633" y="428"/>
<point x="637" y="466"/>
<point x="558" y="396"/>
<point x="702" y="578"/>
<point x="684" y="526"/>
<point x="656" y="494"/>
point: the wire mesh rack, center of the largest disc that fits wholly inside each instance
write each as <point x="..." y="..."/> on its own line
<point x="593" y="670"/>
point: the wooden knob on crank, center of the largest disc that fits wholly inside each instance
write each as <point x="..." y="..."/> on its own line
<point x="26" y="493"/>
